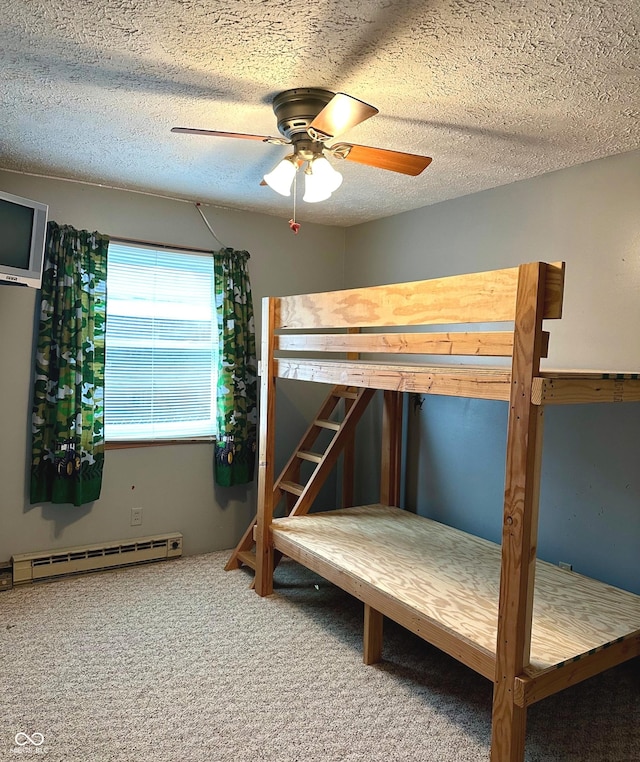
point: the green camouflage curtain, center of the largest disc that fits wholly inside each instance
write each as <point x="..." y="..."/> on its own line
<point x="237" y="370"/>
<point x="68" y="420"/>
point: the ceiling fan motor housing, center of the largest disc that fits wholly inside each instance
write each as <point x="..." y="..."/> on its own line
<point x="308" y="117"/>
<point x="296" y="109"/>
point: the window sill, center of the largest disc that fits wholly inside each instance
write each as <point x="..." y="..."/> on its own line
<point x="155" y="443"/>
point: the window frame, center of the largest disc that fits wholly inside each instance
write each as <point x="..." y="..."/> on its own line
<point x="120" y="444"/>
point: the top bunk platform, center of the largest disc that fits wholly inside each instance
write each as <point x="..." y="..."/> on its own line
<point x="336" y="338"/>
<point x="550" y="387"/>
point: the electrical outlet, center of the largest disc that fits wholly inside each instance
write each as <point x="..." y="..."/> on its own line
<point x="564" y="565"/>
<point x="136" y="517"/>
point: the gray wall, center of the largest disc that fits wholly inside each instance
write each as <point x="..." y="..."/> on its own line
<point x="590" y="507"/>
<point x="588" y="217"/>
<point x="173" y="484"/>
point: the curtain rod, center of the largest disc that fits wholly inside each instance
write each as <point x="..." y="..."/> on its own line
<point x="156" y="245"/>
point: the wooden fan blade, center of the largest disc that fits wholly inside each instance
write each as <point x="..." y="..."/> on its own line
<point x="396" y="161"/>
<point x="339" y="115"/>
<point x="217" y="134"/>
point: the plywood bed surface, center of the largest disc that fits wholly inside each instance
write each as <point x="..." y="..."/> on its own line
<point x="452" y="578"/>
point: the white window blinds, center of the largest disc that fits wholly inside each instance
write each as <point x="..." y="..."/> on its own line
<point x="161" y="344"/>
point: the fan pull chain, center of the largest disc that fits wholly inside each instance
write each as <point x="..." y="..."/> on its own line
<point x="295" y="226"/>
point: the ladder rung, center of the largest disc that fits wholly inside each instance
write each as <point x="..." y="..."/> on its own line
<point x="247" y="557"/>
<point x="324" y="424"/>
<point x="345" y="394"/>
<point x="292" y="487"/>
<point x="314" y="457"/>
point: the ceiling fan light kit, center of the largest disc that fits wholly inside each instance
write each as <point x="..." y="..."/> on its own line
<point x="320" y="180"/>
<point x="281" y="178"/>
<point x="309" y="117"/>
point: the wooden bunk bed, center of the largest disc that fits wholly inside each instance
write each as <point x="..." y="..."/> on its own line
<point x="472" y="598"/>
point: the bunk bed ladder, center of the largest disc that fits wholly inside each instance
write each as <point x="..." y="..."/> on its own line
<point x="299" y="497"/>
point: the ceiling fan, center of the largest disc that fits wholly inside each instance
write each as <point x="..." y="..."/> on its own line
<point x="308" y="118"/>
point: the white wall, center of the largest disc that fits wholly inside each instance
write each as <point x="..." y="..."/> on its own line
<point x="588" y="217"/>
<point x="173" y="484"/>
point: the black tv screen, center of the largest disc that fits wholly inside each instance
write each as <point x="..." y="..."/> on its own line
<point x="16" y="224"/>
<point x="23" y="229"/>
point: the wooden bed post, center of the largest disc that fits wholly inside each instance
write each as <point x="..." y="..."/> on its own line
<point x="348" y="465"/>
<point x="349" y="456"/>
<point x="373" y="624"/>
<point x="391" y="448"/>
<point x="264" y="543"/>
<point x="520" y="520"/>
<point x="389" y="495"/>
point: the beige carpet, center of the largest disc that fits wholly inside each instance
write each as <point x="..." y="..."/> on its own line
<point x="181" y="661"/>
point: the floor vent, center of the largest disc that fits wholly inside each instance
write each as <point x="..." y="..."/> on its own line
<point x="29" y="567"/>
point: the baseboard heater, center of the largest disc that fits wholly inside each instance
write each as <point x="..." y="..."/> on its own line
<point x="30" y="567"/>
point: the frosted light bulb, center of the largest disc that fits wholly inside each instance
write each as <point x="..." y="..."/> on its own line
<point x="280" y="178"/>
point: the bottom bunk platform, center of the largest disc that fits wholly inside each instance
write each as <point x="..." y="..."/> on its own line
<point x="443" y="585"/>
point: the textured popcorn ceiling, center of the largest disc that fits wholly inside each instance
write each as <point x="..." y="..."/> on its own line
<point x="494" y="90"/>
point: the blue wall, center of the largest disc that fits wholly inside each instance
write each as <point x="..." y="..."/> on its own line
<point x="590" y="486"/>
<point x="588" y="217"/>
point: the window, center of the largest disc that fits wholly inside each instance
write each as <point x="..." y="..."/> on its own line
<point x="161" y="344"/>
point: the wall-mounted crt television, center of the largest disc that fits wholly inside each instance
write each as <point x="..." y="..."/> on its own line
<point x="23" y="229"/>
